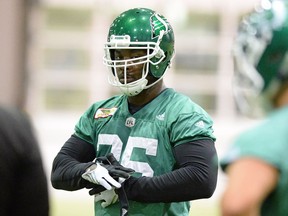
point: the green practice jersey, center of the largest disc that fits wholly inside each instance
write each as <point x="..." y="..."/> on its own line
<point x="144" y="140"/>
<point x="267" y="141"/>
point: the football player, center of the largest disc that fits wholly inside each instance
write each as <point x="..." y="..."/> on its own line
<point x="162" y="135"/>
<point x="257" y="164"/>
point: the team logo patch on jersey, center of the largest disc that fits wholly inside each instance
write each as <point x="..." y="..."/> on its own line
<point x="104" y="112"/>
<point x="130" y="122"/>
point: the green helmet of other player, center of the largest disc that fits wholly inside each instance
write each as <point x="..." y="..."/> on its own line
<point x="261" y="58"/>
<point x="144" y="29"/>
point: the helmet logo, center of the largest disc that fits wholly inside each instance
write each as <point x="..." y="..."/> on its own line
<point x="158" y="24"/>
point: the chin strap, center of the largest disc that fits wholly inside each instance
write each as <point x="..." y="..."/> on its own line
<point x="134" y="90"/>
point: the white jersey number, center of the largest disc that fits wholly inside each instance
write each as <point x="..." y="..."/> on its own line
<point x="150" y="146"/>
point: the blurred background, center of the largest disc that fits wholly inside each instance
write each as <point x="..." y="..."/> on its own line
<point x="51" y="66"/>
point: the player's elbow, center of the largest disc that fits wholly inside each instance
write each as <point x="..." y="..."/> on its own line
<point x="208" y="176"/>
<point x="209" y="192"/>
<point x="55" y="181"/>
<point x="208" y="188"/>
<point x="205" y="187"/>
<point x="58" y="183"/>
<point x="204" y="182"/>
<point x="210" y="183"/>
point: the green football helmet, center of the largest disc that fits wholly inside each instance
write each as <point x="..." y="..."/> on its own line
<point x="144" y="29"/>
<point x="261" y="57"/>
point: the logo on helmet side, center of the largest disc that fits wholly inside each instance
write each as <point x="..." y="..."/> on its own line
<point x="158" y="24"/>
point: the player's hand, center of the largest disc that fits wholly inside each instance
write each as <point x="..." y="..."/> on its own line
<point x="115" y="169"/>
<point x="99" y="175"/>
<point x="94" y="188"/>
<point x="105" y="171"/>
<point x="124" y="204"/>
<point x="107" y="197"/>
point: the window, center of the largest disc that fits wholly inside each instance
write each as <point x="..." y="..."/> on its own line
<point x="68" y="18"/>
<point x="66" y="99"/>
<point x="66" y="59"/>
<point x="189" y="63"/>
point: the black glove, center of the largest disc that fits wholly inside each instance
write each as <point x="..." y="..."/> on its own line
<point x="115" y="170"/>
<point x="95" y="189"/>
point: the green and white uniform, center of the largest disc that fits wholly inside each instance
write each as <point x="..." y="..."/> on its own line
<point x="268" y="141"/>
<point x="144" y="141"/>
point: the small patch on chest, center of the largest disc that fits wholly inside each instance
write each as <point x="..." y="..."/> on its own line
<point x="130" y="122"/>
